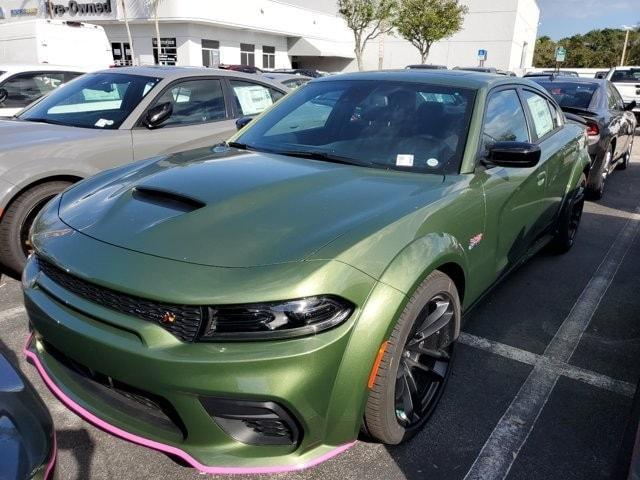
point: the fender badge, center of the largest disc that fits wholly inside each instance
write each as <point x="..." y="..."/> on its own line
<point x="474" y="241"/>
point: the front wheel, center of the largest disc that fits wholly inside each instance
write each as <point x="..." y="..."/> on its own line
<point x="570" y="220"/>
<point x="416" y="363"/>
<point x="627" y="158"/>
<point x="16" y="223"/>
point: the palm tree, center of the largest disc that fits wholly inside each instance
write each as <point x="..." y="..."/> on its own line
<point x="126" y="23"/>
<point x="154" y="4"/>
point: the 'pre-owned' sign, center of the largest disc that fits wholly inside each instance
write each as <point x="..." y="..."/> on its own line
<point x="74" y="8"/>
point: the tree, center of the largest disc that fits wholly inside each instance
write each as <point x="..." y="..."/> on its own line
<point x="367" y="19"/>
<point x="423" y="22"/>
<point x="154" y="5"/>
<point x="126" y="23"/>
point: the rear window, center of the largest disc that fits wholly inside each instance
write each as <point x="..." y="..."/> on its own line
<point x="571" y="94"/>
<point x="631" y="75"/>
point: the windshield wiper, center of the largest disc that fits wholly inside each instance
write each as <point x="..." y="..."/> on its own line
<point x="241" y="146"/>
<point x="324" y="156"/>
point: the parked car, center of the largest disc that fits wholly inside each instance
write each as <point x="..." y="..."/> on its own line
<point x="108" y="118"/>
<point x="627" y="81"/>
<point x="307" y="72"/>
<point x="291" y="81"/>
<point x="425" y="66"/>
<point x="21" y="85"/>
<point x="27" y="435"/>
<point x="610" y="124"/>
<point x="557" y="73"/>
<point x="240" y="68"/>
<point x="486" y="70"/>
<point x="267" y="298"/>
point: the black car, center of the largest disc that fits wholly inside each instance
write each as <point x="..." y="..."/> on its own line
<point x="27" y="437"/>
<point x="240" y="68"/>
<point x="425" y="66"/>
<point x="557" y="73"/>
<point x="307" y="72"/>
<point x="610" y="124"/>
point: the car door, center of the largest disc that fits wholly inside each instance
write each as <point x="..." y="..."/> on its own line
<point x="557" y="154"/>
<point x="200" y="117"/>
<point x="515" y="197"/>
<point x="618" y="122"/>
<point x="627" y="121"/>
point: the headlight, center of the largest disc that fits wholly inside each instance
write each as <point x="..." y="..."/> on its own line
<point x="267" y="321"/>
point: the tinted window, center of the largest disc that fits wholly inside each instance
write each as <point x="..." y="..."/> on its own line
<point x="631" y="75"/>
<point x="504" y="120"/>
<point x="194" y="101"/>
<point x="378" y="124"/>
<point x="253" y="98"/>
<point x="615" y="100"/>
<point x="99" y="100"/>
<point x="24" y="88"/>
<point x="539" y="108"/>
<point x="568" y="94"/>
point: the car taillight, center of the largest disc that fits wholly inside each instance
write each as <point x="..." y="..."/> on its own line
<point x="592" y="129"/>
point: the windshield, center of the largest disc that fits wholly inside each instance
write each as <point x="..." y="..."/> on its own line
<point x="99" y="100"/>
<point x="631" y="75"/>
<point x="571" y="94"/>
<point x="379" y="124"/>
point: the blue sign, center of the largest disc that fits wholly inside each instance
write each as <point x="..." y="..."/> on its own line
<point x="482" y="54"/>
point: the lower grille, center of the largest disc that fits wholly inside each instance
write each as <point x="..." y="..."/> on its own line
<point x="183" y="321"/>
<point x="147" y="407"/>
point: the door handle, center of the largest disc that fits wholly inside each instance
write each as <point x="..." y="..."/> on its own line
<point x="542" y="177"/>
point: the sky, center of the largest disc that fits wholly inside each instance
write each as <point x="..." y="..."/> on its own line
<point x="563" y="18"/>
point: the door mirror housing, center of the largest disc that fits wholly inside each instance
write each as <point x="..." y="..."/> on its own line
<point x="157" y="115"/>
<point x="514" y="154"/>
<point x="242" y="122"/>
<point x="3" y="94"/>
<point x="630" y="106"/>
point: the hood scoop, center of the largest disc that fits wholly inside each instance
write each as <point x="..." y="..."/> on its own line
<point x="167" y="199"/>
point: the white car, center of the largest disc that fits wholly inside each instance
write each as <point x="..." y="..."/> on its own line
<point x="627" y="81"/>
<point x="21" y="85"/>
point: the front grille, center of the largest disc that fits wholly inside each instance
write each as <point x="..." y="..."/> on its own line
<point x="138" y="404"/>
<point x="183" y="321"/>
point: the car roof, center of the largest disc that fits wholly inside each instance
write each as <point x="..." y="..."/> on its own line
<point x="175" y="73"/>
<point x="29" y="67"/>
<point x="456" y="78"/>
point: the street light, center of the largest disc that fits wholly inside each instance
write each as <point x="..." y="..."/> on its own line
<point x="626" y="41"/>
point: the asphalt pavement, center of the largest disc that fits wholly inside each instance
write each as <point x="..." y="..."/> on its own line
<point x="542" y="385"/>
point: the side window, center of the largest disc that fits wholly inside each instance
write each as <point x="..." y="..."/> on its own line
<point x="24" y="88"/>
<point x="504" y="120"/>
<point x="556" y="116"/>
<point x="194" y="101"/>
<point x="612" y="100"/>
<point x="539" y="109"/>
<point x="618" y="97"/>
<point x="253" y="98"/>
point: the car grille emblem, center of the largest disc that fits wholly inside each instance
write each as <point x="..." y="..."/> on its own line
<point x="168" y="317"/>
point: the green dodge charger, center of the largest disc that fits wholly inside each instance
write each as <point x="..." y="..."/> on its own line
<point x="255" y="306"/>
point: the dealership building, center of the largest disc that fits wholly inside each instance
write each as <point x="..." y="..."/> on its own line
<point x="284" y="33"/>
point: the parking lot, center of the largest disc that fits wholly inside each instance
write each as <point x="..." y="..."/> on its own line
<point x="542" y="385"/>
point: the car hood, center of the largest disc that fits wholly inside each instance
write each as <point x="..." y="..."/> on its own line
<point x="239" y="209"/>
<point x="19" y="134"/>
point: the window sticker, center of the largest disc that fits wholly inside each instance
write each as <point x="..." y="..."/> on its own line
<point x="433" y="162"/>
<point x="103" y="122"/>
<point x="404" y="160"/>
<point x="541" y="115"/>
<point x="253" y="99"/>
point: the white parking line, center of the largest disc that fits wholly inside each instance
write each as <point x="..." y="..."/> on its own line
<point x="559" y="368"/>
<point x="11" y="312"/>
<point x="507" y="438"/>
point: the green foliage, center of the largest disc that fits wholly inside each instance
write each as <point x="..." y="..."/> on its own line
<point x="367" y="19"/>
<point x="595" y="49"/>
<point x="423" y="22"/>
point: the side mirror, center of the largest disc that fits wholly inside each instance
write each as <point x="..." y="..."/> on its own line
<point x="628" y="107"/>
<point x="242" y="122"/>
<point x="157" y="115"/>
<point x="3" y="95"/>
<point x="514" y="154"/>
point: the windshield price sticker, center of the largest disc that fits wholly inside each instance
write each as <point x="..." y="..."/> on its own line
<point x="404" y="161"/>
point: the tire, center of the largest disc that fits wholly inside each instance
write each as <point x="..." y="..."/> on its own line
<point x="627" y="158"/>
<point x="17" y="220"/>
<point x="569" y="222"/>
<point x="596" y="192"/>
<point x="387" y="418"/>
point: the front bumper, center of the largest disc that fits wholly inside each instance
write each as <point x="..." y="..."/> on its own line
<point x="312" y="378"/>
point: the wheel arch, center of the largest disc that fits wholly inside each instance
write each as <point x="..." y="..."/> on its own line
<point x="40" y="181"/>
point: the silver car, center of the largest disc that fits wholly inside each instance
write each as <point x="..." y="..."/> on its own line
<point x="108" y="118"/>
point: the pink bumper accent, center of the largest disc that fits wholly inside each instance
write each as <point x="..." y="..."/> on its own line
<point x="91" y="418"/>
